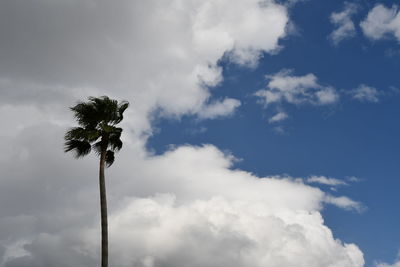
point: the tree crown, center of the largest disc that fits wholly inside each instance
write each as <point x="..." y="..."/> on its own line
<point x="97" y="118"/>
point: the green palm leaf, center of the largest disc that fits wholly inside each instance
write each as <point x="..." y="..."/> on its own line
<point x="109" y="158"/>
<point x="81" y="148"/>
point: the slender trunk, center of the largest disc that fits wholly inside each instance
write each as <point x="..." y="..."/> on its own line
<point x="103" y="211"/>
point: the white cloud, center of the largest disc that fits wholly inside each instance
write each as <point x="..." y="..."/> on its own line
<point x="325" y="180"/>
<point x="365" y="93"/>
<point x="286" y="87"/>
<point x="280" y="116"/>
<point x="283" y="86"/>
<point x="221" y="233"/>
<point x="267" y="221"/>
<point x="326" y="96"/>
<point x="217" y="109"/>
<point x="162" y="204"/>
<point x="344" y="25"/>
<point x="382" y="22"/>
<point x="345" y="203"/>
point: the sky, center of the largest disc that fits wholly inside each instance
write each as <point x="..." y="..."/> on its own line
<point x="260" y="133"/>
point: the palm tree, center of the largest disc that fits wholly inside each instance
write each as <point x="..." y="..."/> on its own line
<point x="98" y="119"/>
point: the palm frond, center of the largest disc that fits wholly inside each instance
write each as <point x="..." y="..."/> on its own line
<point x="81" y="148"/>
<point x="97" y="147"/>
<point x="109" y="158"/>
<point x="115" y="142"/>
<point x="83" y="134"/>
<point x="109" y="129"/>
<point x="121" y="108"/>
<point x="107" y="108"/>
<point x="86" y="115"/>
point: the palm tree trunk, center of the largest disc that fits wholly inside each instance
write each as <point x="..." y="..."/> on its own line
<point x="103" y="211"/>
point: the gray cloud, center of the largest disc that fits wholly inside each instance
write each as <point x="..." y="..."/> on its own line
<point x="155" y="53"/>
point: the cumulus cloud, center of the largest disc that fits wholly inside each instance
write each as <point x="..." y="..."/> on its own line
<point x="161" y="56"/>
<point x="365" y="93"/>
<point x="221" y="233"/>
<point x="382" y="22"/>
<point x="218" y="109"/>
<point x="285" y="87"/>
<point x="344" y="26"/>
<point x="160" y="205"/>
<point x="298" y="90"/>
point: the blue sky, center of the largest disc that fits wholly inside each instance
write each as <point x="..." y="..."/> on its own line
<point x="347" y="139"/>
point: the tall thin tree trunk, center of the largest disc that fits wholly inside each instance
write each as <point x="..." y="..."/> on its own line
<point x="103" y="211"/>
